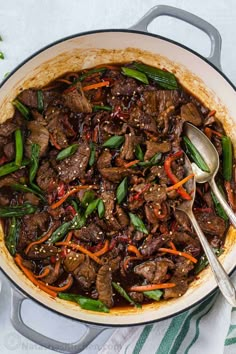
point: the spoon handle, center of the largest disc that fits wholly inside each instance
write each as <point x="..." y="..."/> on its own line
<point x="223" y="202"/>
<point x="222" y="278"/>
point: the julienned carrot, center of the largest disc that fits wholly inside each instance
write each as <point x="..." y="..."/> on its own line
<point x="103" y="250"/>
<point x="54" y="143"/>
<point x="132" y="248"/>
<point x="179" y="253"/>
<point x="31" y="277"/>
<point x="81" y="249"/>
<point x="64" y="81"/>
<point x="44" y="273"/>
<point x="180" y="183"/>
<point x="131" y="163"/>
<point x="72" y="191"/>
<point x="62" y="288"/>
<point x="141" y="288"/>
<point x="128" y="259"/>
<point x="42" y="239"/>
<point x="208" y="131"/>
<point x="230" y="195"/>
<point x="95" y="86"/>
<point x="172" y="245"/>
<point x="69" y="236"/>
<point x="211" y="113"/>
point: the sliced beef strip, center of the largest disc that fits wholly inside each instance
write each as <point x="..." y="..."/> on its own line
<point x="31" y="226"/>
<point x="91" y="233"/>
<point x="76" y="100"/>
<point x="182" y="220"/>
<point x="86" y="273"/>
<point x="74" y="166"/>
<point x="156" y="194"/>
<point x="175" y="136"/>
<point x="210" y="223"/>
<point x="153" y="148"/>
<point x="115" y="128"/>
<point x="183" y="239"/>
<point x="128" y="149"/>
<point x="46" y="177"/>
<point x="116" y="174"/>
<point x="29" y="98"/>
<point x="43" y="251"/>
<point x="125" y="87"/>
<point x="9" y="150"/>
<point x="108" y="198"/>
<point x="12" y="178"/>
<point x="140" y="120"/>
<point x="208" y="199"/>
<point x="31" y="198"/>
<point x="121" y="216"/>
<point x="53" y="275"/>
<point x="5" y="198"/>
<point x="72" y="261"/>
<point x="150" y="215"/>
<point x="8" y="127"/>
<point x="177" y="291"/>
<point x="154" y="271"/>
<point x="182" y="267"/>
<point x="104" y="160"/>
<point x="158" y="171"/>
<point x="152" y="243"/>
<point x="38" y="135"/>
<point x="190" y="113"/>
<point x="104" y="286"/>
<point x="136" y="297"/>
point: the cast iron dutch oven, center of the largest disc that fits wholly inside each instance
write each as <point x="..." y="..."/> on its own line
<point x="202" y="76"/>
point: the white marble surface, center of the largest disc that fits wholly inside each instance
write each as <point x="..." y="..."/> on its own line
<point x="26" y="26"/>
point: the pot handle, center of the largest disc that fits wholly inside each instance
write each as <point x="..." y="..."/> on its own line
<point x="164" y="10"/>
<point x="17" y="299"/>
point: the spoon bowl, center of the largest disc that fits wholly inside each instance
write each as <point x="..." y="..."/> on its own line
<point x="211" y="157"/>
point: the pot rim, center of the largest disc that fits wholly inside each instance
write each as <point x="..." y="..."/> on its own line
<point x="87" y="33"/>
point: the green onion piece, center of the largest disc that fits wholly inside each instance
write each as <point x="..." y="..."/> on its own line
<point x="92" y="154"/>
<point x="59" y="233"/>
<point x="69" y="151"/>
<point x="77" y="222"/>
<point x="19" y="147"/>
<point x="91" y="207"/>
<point x="138" y="223"/>
<point x="85" y="302"/>
<point x="227" y="157"/>
<point x="1" y="55"/>
<point x="1" y="39"/>
<point x="12" y="237"/>
<point x="153" y="161"/>
<point x="75" y="205"/>
<point x="122" y="190"/>
<point x="153" y="294"/>
<point x="34" y="161"/>
<point x="114" y="142"/>
<point x="22" y="109"/>
<point x="6" y="74"/>
<point x="22" y="188"/>
<point x="193" y="153"/>
<point x="163" y="78"/>
<point x="139" y="153"/>
<point x="11" y="167"/>
<point x="101" y="209"/>
<point x="124" y="294"/>
<point x="101" y="108"/>
<point x="90" y="72"/>
<point x="19" y="210"/>
<point x="88" y="197"/>
<point x="203" y="261"/>
<point x="40" y="101"/>
<point x="135" y="74"/>
<point x="218" y="208"/>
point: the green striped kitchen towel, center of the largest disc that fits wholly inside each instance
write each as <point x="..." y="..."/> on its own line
<point x="208" y="328"/>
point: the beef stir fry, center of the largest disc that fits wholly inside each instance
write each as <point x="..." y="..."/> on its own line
<point x="91" y="173"/>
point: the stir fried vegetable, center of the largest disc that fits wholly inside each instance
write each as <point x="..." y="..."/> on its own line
<point x="114" y="142"/>
<point x="69" y="151"/>
<point x="227" y="157"/>
<point x="138" y="223"/>
<point x="219" y="210"/>
<point x="19" y="147"/>
<point x="11" y="238"/>
<point x="195" y="155"/>
<point x="40" y="101"/>
<point x="154" y="294"/>
<point x="122" y="190"/>
<point x="101" y="108"/>
<point x="17" y="211"/>
<point x="22" y="109"/>
<point x="135" y="74"/>
<point x="123" y="293"/>
<point x="92" y="154"/>
<point x="203" y="262"/>
<point x="11" y="167"/>
<point x="85" y="302"/>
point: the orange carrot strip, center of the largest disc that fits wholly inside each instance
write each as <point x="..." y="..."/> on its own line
<point x="62" y="288"/>
<point x="69" y="236"/>
<point x="178" y="253"/>
<point x="72" y="191"/>
<point x="131" y="163"/>
<point x="103" y="250"/>
<point x="44" y="273"/>
<point x="95" y="86"/>
<point x="64" y="81"/>
<point x="172" y="245"/>
<point x="31" y="277"/>
<point x="180" y="183"/>
<point x="41" y="240"/>
<point x="57" y="146"/>
<point x="81" y="249"/>
<point x="230" y="195"/>
<point x="128" y="259"/>
<point x="142" y="288"/>
<point x="132" y="248"/>
<point x="208" y="131"/>
<point x="211" y="113"/>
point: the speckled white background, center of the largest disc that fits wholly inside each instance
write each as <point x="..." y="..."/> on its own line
<point x="28" y="25"/>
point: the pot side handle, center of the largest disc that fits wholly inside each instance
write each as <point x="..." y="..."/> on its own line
<point x="66" y="348"/>
<point x="211" y="31"/>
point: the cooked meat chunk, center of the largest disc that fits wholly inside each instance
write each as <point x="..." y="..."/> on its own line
<point x="190" y="113"/>
<point x="136" y="297"/>
<point x="126" y="87"/>
<point x="182" y="220"/>
<point x="38" y="252"/>
<point x="38" y="135"/>
<point x="157" y="101"/>
<point x="140" y="120"/>
<point x="177" y="291"/>
<point x="4" y="198"/>
<point x="153" y="148"/>
<point x="115" y="128"/>
<point x="104" y="286"/>
<point x="115" y="174"/>
<point x="210" y="223"/>
<point x="155" y="194"/>
<point x="8" y="127"/>
<point x="74" y="166"/>
<point x="53" y="276"/>
<point x="77" y="101"/>
<point x="72" y="261"/>
<point x="184" y="239"/>
<point x="182" y="267"/>
<point x="128" y="149"/>
<point x="31" y="198"/>
<point x="85" y="274"/>
<point x="46" y="177"/>
<point x="9" y="151"/>
<point x="104" y="160"/>
<point x="122" y="217"/>
<point x="151" y="244"/>
<point x="29" y="98"/>
<point x="90" y="233"/>
<point x="109" y="202"/>
<point x="56" y="119"/>
<point x="154" y="271"/>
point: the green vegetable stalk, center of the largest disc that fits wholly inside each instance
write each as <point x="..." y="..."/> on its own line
<point x="22" y="109"/>
<point x="193" y="153"/>
<point x="114" y="142"/>
<point x="124" y="294"/>
<point x="12" y="237"/>
<point x="19" y="210"/>
<point x="135" y="74"/>
<point x="122" y="190"/>
<point x="19" y="147"/>
<point x="69" y="151"/>
<point x="85" y="302"/>
<point x="227" y="158"/>
<point x="138" y="223"/>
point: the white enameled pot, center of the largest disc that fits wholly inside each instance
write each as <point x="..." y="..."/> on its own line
<point x="202" y="76"/>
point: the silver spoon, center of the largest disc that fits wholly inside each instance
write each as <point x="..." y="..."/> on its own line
<point x="221" y="277"/>
<point x="210" y="155"/>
